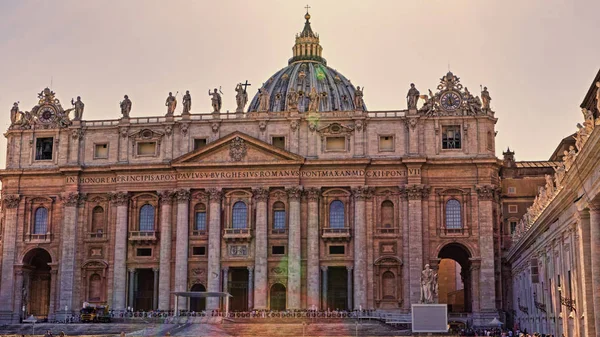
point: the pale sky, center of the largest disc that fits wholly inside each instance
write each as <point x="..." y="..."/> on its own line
<point x="537" y="57"/>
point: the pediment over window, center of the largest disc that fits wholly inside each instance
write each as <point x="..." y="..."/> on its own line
<point x="453" y="191"/>
<point x="335" y="129"/>
<point x="238" y="148"/>
<point x="146" y="134"/>
<point x="389" y="261"/>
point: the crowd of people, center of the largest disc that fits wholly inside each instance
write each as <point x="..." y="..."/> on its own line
<point x="249" y="314"/>
<point x="500" y="333"/>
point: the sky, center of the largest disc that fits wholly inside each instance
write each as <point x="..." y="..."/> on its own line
<point x="538" y="58"/>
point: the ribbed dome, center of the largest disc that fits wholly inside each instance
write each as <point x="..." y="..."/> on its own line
<point x="307" y="69"/>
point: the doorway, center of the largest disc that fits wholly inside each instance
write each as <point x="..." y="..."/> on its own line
<point x="454" y="278"/>
<point x="337" y="288"/>
<point x="198" y="304"/>
<point x="144" y="290"/>
<point x="36" y="289"/>
<point x="278" y="297"/>
<point x="238" y="288"/>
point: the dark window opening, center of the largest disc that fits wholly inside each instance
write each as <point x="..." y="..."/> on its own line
<point x="144" y="252"/>
<point x="513" y="227"/>
<point x="199" y="251"/>
<point x="337" y="250"/>
<point x="43" y="148"/>
<point x="278" y="142"/>
<point x="451" y="137"/>
<point x="278" y="250"/>
<point x="199" y="143"/>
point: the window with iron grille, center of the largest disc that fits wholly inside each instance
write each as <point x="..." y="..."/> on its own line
<point x="147" y="218"/>
<point x="278" y="216"/>
<point x="453" y="218"/>
<point x="201" y="221"/>
<point x="336" y="214"/>
<point x="41" y="221"/>
<point x="240" y="215"/>
<point x="451" y="137"/>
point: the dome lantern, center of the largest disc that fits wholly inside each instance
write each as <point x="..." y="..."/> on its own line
<point x="307" y="46"/>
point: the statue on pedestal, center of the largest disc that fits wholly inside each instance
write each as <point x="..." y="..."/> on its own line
<point x="14" y="113"/>
<point x="241" y="98"/>
<point x="314" y="99"/>
<point x="598" y="96"/>
<point x="485" y="99"/>
<point x="171" y="104"/>
<point x="215" y="99"/>
<point x="78" y="105"/>
<point x="429" y="285"/>
<point x="412" y="97"/>
<point x="187" y="103"/>
<point x="125" y="106"/>
<point x="292" y="100"/>
<point x="263" y="99"/>
<point x="358" y="99"/>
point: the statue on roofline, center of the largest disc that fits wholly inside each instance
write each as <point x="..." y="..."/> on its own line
<point x="125" y="105"/>
<point x="187" y="103"/>
<point x="485" y="99"/>
<point x="412" y="97"/>
<point x="215" y="99"/>
<point x="171" y="104"/>
<point x="78" y="107"/>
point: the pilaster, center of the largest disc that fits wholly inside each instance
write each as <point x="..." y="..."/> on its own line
<point x="595" y="258"/>
<point x="360" y="254"/>
<point x="294" y="249"/>
<point x="261" y="196"/>
<point x="181" y="249"/>
<point x="214" y="247"/>
<point x="10" y="205"/>
<point x="312" y="263"/>
<point x="164" y="278"/>
<point x="414" y="195"/>
<point x="486" y="196"/>
<point x="121" y="200"/>
<point x="585" y="270"/>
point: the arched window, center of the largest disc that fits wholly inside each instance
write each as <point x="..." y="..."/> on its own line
<point x="278" y="217"/>
<point x="453" y="217"/>
<point x="240" y="215"/>
<point x="336" y="214"/>
<point x="147" y="218"/>
<point x="387" y="214"/>
<point x="40" y="224"/>
<point x="95" y="288"/>
<point x="200" y="218"/>
<point x="98" y="220"/>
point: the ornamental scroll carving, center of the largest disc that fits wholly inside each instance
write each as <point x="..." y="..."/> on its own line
<point x="363" y="192"/>
<point x="119" y="198"/>
<point x="416" y="192"/>
<point x="215" y="194"/>
<point x="312" y="194"/>
<point x="294" y="193"/>
<point x="237" y="149"/>
<point x="11" y="201"/>
<point x="166" y="196"/>
<point x="486" y="192"/>
<point x="182" y="195"/>
<point x="260" y="194"/>
<point x="73" y="199"/>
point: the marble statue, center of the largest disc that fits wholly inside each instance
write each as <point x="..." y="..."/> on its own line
<point x="187" y="103"/>
<point x="598" y="96"/>
<point x="569" y="157"/>
<point x="429" y="104"/>
<point x="125" y="106"/>
<point x="78" y="105"/>
<point x="428" y="285"/>
<point x="587" y="114"/>
<point x="549" y="185"/>
<point x="14" y="113"/>
<point x="263" y="99"/>
<point x="171" y="104"/>
<point x="485" y="99"/>
<point x="292" y="100"/>
<point x="241" y="98"/>
<point x="314" y="99"/>
<point x="358" y="99"/>
<point x="412" y="97"/>
<point x="215" y="99"/>
<point x="559" y="174"/>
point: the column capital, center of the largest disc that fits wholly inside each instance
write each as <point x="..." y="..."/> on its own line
<point x="131" y="270"/>
<point x="166" y="196"/>
<point x="182" y="195"/>
<point x="362" y="192"/>
<point x="312" y="194"/>
<point x="215" y="194"/>
<point x="324" y="268"/>
<point x="11" y="200"/>
<point x="251" y="269"/>
<point x="155" y="269"/>
<point x="486" y="192"/>
<point x="415" y="192"/>
<point x="349" y="268"/>
<point x="73" y="199"/>
<point x="260" y="194"/>
<point x="226" y="269"/>
<point x="119" y="198"/>
<point x="294" y="192"/>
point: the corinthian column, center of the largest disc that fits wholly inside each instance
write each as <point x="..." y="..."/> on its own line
<point x="214" y="247"/>
<point x="261" y="196"/>
<point x="360" y="254"/>
<point x="10" y="205"/>
<point x="164" y="276"/>
<point x="487" y="286"/>
<point x="121" y="200"/>
<point x="294" y="243"/>
<point x="415" y="194"/>
<point x="69" y="246"/>
<point x="595" y="253"/>
<point x="181" y="249"/>
<point x="312" y="263"/>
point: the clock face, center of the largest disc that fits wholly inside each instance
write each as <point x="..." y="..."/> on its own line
<point x="46" y="114"/>
<point x="450" y="100"/>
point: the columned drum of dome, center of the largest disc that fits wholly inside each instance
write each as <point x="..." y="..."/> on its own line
<point x="307" y="69"/>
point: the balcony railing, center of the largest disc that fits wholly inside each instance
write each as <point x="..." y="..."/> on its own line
<point x="97" y="235"/>
<point x="38" y="237"/>
<point x="237" y="234"/>
<point x="199" y="232"/>
<point x="142" y="236"/>
<point x="279" y="231"/>
<point x="336" y="234"/>
<point x="386" y="230"/>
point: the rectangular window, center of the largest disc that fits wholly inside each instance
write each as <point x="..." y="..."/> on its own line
<point x="386" y="143"/>
<point x="144" y="252"/>
<point x="512" y="190"/>
<point x="335" y="143"/>
<point x="337" y="250"/>
<point x="278" y="142"/>
<point x="451" y="137"/>
<point x="278" y="250"/>
<point x="513" y="209"/>
<point x="513" y="227"/>
<point x="535" y="277"/>
<point x="199" y="143"/>
<point x="43" y="148"/>
<point x="199" y="251"/>
<point x="201" y="221"/>
<point x="146" y="149"/>
<point x="100" y="151"/>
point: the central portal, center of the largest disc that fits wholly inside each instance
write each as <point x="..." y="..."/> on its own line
<point x="238" y="288"/>
<point x="144" y="290"/>
<point x="337" y="284"/>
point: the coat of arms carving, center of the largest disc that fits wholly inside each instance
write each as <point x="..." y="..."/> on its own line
<point x="237" y="149"/>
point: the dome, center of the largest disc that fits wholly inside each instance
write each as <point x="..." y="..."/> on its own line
<point x="306" y="70"/>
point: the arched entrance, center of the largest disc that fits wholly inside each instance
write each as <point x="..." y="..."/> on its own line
<point x="454" y="278"/>
<point x="278" y="297"/>
<point x="36" y="285"/>
<point x="197" y="303"/>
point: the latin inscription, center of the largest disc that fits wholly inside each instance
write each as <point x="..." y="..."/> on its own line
<point x="167" y="177"/>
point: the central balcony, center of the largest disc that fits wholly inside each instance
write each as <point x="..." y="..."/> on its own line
<point x="237" y="234"/>
<point x="143" y="236"/>
<point x="336" y="234"/>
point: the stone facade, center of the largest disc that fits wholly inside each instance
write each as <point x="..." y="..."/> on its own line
<point x="285" y="209"/>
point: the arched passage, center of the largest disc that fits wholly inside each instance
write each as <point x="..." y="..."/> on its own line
<point x="36" y="284"/>
<point x="278" y="297"/>
<point x="454" y="277"/>
<point x="197" y="303"/>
